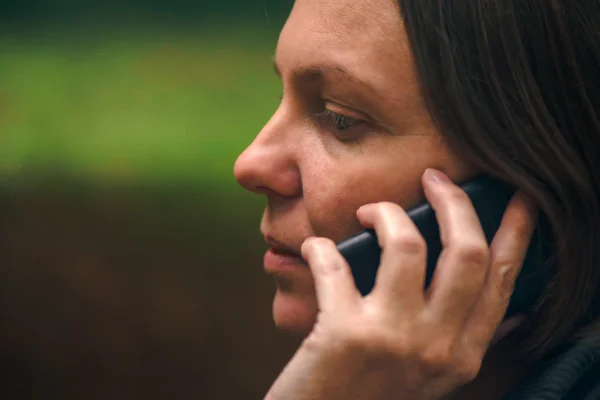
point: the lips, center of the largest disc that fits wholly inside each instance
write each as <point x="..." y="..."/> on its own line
<point x="279" y="256"/>
<point x="280" y="247"/>
<point x="276" y="260"/>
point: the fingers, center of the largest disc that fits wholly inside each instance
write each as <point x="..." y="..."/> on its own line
<point x="462" y="267"/>
<point x="334" y="283"/>
<point x="401" y="276"/>
<point x="507" y="253"/>
<point x="472" y="284"/>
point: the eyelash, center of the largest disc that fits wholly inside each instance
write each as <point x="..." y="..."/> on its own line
<point x="341" y="122"/>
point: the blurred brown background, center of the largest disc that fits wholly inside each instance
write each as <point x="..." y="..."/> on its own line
<point x="130" y="261"/>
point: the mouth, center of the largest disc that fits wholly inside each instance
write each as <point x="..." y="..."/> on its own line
<point x="281" y="256"/>
<point x="279" y="247"/>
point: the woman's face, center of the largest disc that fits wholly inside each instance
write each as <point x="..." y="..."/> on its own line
<point x="352" y="128"/>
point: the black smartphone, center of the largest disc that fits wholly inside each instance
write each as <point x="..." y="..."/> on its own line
<point x="490" y="198"/>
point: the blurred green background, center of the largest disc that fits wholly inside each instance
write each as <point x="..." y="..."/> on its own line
<point x="130" y="260"/>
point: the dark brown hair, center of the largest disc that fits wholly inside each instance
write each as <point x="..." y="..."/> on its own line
<point x="515" y="87"/>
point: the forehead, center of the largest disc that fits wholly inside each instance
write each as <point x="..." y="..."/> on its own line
<point x="363" y="36"/>
<point x="341" y="17"/>
<point x="345" y="24"/>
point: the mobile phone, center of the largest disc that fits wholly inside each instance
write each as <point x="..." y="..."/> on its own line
<point x="490" y="198"/>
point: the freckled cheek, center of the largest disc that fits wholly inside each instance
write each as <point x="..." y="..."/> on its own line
<point x="333" y="216"/>
<point x="331" y="205"/>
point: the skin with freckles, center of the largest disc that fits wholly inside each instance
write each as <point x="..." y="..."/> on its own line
<point x="352" y="129"/>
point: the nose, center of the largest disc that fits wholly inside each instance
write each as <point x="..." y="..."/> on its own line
<point x="269" y="165"/>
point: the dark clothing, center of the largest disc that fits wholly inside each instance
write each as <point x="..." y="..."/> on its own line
<point x="571" y="373"/>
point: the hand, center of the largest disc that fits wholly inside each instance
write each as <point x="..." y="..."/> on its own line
<point x="401" y="342"/>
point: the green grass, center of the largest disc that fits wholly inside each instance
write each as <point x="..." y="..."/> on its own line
<point x="145" y="106"/>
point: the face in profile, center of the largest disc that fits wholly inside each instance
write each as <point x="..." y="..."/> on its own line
<point x="352" y="129"/>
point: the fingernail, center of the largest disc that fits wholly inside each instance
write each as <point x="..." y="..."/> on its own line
<point x="435" y="176"/>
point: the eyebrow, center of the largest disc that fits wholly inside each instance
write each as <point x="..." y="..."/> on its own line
<point x="319" y="71"/>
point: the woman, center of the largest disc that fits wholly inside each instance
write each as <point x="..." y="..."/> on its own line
<point x="386" y="104"/>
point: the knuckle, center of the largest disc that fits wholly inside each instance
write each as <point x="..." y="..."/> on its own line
<point x="374" y="336"/>
<point x="473" y="252"/>
<point x="358" y="341"/>
<point x="442" y="357"/>
<point x="373" y="342"/>
<point x="407" y="242"/>
<point x="339" y="335"/>
<point x="353" y="340"/>
<point x="439" y="356"/>
<point x="468" y="370"/>
<point x="505" y="277"/>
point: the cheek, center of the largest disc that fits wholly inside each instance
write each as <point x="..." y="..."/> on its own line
<point x="332" y="210"/>
<point x="332" y="203"/>
<point x="335" y="190"/>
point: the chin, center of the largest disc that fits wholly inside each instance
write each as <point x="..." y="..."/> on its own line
<point x="295" y="313"/>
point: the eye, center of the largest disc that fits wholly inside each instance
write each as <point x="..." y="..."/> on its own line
<point x="340" y="122"/>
